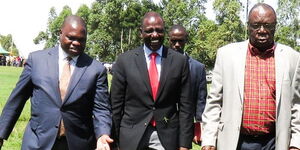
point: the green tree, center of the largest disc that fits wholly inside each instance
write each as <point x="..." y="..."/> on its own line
<point x="6" y="41"/>
<point x="114" y="26"/>
<point x="227" y="29"/>
<point x="51" y="35"/>
<point x="288" y="29"/>
<point x="84" y="12"/>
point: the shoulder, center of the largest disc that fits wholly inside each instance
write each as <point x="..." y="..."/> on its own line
<point x="196" y="62"/>
<point x="130" y="53"/>
<point x="43" y="52"/>
<point x="234" y="46"/>
<point x="287" y="49"/>
<point x="177" y="55"/>
<point x="232" y="50"/>
<point x="41" y="55"/>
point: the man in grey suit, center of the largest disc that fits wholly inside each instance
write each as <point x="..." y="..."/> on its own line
<point x="70" y="108"/>
<point x="178" y="37"/>
<point x="254" y="102"/>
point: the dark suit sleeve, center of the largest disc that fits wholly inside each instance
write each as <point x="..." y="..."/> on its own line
<point x="102" y="106"/>
<point x="118" y="89"/>
<point x="186" y="110"/>
<point x="202" y="93"/>
<point x="16" y="101"/>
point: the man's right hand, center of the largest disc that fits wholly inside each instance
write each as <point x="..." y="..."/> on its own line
<point x="208" y="148"/>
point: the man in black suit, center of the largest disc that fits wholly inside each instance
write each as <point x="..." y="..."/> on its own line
<point x="178" y="37"/>
<point x="70" y="107"/>
<point x="151" y="105"/>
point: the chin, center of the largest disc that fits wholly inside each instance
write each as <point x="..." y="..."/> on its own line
<point x="75" y="53"/>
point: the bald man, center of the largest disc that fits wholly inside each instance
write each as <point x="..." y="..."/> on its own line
<point x="178" y="37"/>
<point x="70" y="107"/>
<point x="148" y="84"/>
<point x="254" y="99"/>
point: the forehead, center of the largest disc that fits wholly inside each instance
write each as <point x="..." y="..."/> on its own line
<point x="74" y="28"/>
<point x="177" y="32"/>
<point x="262" y="15"/>
<point x="153" y="21"/>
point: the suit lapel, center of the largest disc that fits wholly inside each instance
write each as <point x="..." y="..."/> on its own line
<point x="53" y="72"/>
<point x="279" y="66"/>
<point x="79" y="69"/>
<point x="241" y="64"/>
<point x="142" y="68"/>
<point x="166" y="61"/>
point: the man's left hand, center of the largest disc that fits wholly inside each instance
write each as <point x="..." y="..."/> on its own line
<point x="103" y="142"/>
<point x="183" y="148"/>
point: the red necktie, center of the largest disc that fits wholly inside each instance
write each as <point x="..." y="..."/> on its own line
<point x="153" y="76"/>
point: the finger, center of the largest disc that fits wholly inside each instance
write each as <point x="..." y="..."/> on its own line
<point x="109" y="140"/>
<point x="106" y="147"/>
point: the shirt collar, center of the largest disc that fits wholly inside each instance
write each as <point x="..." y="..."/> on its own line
<point x="255" y="52"/>
<point x="63" y="55"/>
<point x="148" y="51"/>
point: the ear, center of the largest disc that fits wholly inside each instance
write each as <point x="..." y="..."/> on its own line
<point x="141" y="32"/>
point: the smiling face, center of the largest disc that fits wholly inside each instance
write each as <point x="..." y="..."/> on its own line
<point x="73" y="37"/>
<point x="261" y="27"/>
<point x="153" y="31"/>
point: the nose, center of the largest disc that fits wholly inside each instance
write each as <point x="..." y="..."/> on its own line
<point x="75" y="43"/>
<point x="177" y="44"/>
<point x="261" y="29"/>
<point x="154" y="34"/>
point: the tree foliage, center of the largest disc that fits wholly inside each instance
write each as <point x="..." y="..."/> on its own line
<point x="113" y="25"/>
<point x="51" y="35"/>
<point x="6" y="41"/>
<point x="288" y="29"/>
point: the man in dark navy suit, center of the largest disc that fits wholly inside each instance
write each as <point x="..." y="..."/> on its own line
<point x="70" y="107"/>
<point x="178" y="37"/>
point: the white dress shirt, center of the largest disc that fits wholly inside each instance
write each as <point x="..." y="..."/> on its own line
<point x="147" y="52"/>
<point x="62" y="59"/>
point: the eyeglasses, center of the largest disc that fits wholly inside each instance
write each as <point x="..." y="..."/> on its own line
<point x="257" y="26"/>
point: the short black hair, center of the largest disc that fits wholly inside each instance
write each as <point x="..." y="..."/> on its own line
<point x="263" y="5"/>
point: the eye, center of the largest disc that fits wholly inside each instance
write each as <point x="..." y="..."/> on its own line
<point x="267" y="26"/>
<point x="159" y="30"/>
<point x="255" y="26"/>
<point x="148" y="31"/>
<point x="175" y="41"/>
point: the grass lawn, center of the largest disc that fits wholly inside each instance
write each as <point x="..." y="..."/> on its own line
<point x="8" y="79"/>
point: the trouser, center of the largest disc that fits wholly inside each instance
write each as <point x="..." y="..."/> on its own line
<point x="150" y="140"/>
<point x="256" y="142"/>
<point x="60" y="144"/>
